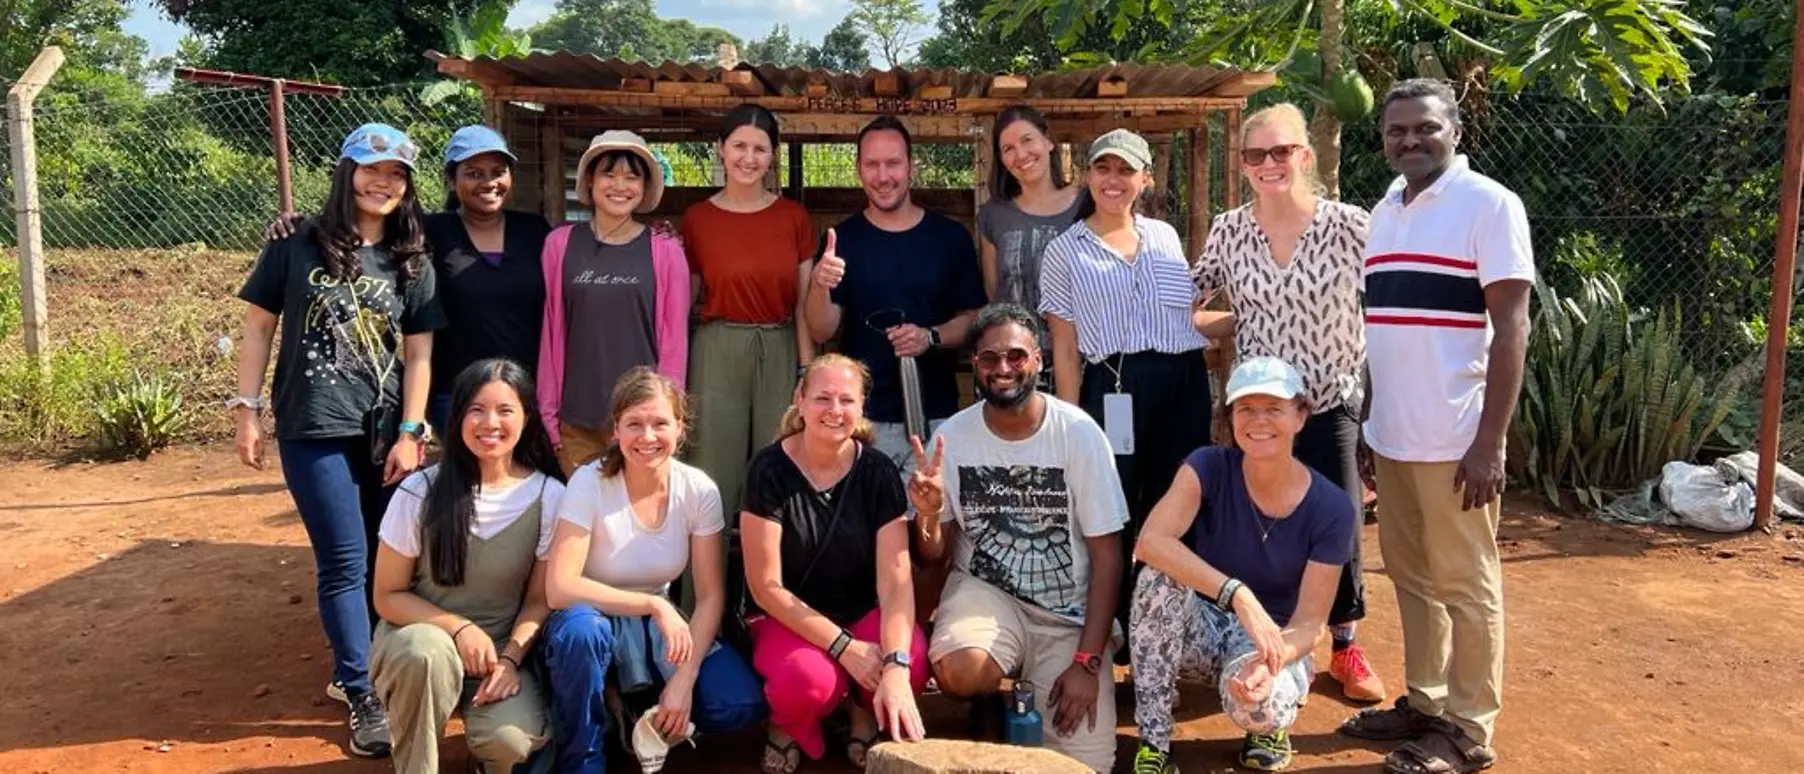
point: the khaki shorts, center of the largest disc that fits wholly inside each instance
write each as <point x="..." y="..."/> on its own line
<point x="1032" y="645"/>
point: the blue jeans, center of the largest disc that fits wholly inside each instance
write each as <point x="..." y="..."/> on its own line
<point x="579" y="650"/>
<point x="438" y="413"/>
<point x="341" y="499"/>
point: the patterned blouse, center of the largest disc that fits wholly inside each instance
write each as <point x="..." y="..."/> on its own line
<point x="1307" y="313"/>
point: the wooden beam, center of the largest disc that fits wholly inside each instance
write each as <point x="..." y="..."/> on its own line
<point x="636" y="85"/>
<point x="887" y="83"/>
<point x="1007" y="86"/>
<point x="1198" y="197"/>
<point x="553" y="193"/>
<point x="964" y="106"/>
<point x="689" y="89"/>
<point x="744" y="83"/>
<point x="935" y="91"/>
<point x="480" y="72"/>
<point x="1112" y="87"/>
<point x="1231" y="161"/>
<point x="980" y="169"/>
<point x="816" y="89"/>
<point x="1161" y="177"/>
<point x="1245" y="85"/>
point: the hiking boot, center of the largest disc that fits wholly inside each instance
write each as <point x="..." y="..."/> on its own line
<point x="1357" y="680"/>
<point x="1152" y="760"/>
<point x="369" y="727"/>
<point x="1266" y="752"/>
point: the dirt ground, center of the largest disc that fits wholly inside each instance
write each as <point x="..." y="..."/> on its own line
<point x="161" y="619"/>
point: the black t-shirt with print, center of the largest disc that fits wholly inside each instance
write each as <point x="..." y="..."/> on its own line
<point x="843" y="583"/>
<point x="340" y="341"/>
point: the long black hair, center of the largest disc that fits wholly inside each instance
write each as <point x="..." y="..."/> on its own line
<point x="403" y="231"/>
<point x="1003" y="183"/>
<point x="448" y="511"/>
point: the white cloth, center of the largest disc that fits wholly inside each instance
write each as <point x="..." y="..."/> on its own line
<point x="496" y="508"/>
<point x="1024" y="507"/>
<point x="1428" y="330"/>
<point x="623" y="553"/>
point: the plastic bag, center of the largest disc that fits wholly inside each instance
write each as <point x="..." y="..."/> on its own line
<point x="1704" y="499"/>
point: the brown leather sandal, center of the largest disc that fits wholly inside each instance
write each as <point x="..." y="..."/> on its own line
<point x="1444" y="750"/>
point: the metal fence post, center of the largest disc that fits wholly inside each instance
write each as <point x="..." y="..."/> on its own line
<point x="30" y="215"/>
<point x="278" y="129"/>
<point x="1785" y="261"/>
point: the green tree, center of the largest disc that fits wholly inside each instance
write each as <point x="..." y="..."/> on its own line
<point x="360" y="43"/>
<point x="484" y="34"/>
<point x="628" y="29"/>
<point x="895" y="26"/>
<point x="777" y="48"/>
<point x="845" y="48"/>
<point x="89" y="32"/>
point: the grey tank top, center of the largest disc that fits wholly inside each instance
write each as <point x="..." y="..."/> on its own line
<point x="610" y="313"/>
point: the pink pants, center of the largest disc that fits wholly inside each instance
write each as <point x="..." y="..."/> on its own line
<point x="804" y="685"/>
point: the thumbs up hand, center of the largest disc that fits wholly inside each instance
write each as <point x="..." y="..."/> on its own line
<point x="830" y="269"/>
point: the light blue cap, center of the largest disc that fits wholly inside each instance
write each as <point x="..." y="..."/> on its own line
<point x="475" y="140"/>
<point x="376" y="143"/>
<point x="1264" y="376"/>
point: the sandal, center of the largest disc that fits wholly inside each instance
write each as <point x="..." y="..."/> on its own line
<point x="780" y="759"/>
<point x="1444" y="750"/>
<point x="858" y="750"/>
<point x="1400" y="722"/>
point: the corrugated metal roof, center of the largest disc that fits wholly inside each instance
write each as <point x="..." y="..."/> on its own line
<point x="564" y="69"/>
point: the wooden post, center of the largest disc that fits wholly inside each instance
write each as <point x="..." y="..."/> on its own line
<point x="278" y="138"/>
<point x="26" y="209"/>
<point x="980" y="171"/>
<point x="1200" y="216"/>
<point x="1161" y="177"/>
<point x="1231" y="165"/>
<point x="1778" y="318"/>
<point x="551" y="159"/>
<point x="795" y="171"/>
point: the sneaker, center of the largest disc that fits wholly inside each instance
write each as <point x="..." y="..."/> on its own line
<point x="1357" y="680"/>
<point x="335" y="691"/>
<point x="369" y="727"/>
<point x="1267" y="752"/>
<point x="1152" y="760"/>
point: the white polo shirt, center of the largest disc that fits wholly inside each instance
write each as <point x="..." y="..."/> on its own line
<point x="1428" y="334"/>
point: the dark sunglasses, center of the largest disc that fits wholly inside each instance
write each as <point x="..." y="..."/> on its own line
<point x="1253" y="157"/>
<point x="989" y="358"/>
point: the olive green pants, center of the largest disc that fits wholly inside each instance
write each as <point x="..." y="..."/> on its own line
<point x="420" y="678"/>
<point x="741" y="379"/>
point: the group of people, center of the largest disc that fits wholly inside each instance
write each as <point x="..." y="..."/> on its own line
<point x="564" y="574"/>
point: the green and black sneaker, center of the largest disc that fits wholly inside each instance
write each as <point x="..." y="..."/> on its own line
<point x="1269" y="752"/>
<point x="1152" y="760"/>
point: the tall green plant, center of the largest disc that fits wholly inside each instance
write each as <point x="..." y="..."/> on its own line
<point x="1608" y="397"/>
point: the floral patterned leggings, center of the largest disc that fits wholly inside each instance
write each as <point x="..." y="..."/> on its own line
<point x="1179" y="635"/>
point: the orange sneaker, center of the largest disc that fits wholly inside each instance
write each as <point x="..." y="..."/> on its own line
<point x="1357" y="680"/>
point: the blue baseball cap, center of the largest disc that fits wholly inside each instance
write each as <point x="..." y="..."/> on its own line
<point x="1264" y="376"/>
<point x="376" y="143"/>
<point x="475" y="140"/>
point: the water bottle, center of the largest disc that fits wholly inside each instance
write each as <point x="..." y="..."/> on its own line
<point x="1021" y="726"/>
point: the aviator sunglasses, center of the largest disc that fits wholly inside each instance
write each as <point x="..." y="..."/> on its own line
<point x="1253" y="157"/>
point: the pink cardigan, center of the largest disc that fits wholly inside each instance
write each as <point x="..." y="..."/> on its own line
<point x="671" y="272"/>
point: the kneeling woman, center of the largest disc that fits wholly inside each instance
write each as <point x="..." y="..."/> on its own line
<point x="460" y="578"/>
<point x="1270" y="538"/>
<point x="827" y="565"/>
<point x="632" y="523"/>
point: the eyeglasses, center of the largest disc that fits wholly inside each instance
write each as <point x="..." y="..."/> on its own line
<point x="1253" y="157"/>
<point x="989" y="358"/>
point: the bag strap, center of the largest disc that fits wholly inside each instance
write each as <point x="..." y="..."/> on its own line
<point x="839" y="504"/>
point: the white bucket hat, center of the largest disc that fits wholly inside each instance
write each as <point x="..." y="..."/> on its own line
<point x="620" y="140"/>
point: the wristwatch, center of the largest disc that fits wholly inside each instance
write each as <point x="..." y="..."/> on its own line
<point x="253" y="403"/>
<point x="1091" y="662"/>
<point x="897" y="658"/>
<point x="421" y="431"/>
<point x="933" y="337"/>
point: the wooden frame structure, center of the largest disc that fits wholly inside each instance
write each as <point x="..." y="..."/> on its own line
<point x="549" y="104"/>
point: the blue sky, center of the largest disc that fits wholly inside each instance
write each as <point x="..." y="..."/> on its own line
<point x="807" y="19"/>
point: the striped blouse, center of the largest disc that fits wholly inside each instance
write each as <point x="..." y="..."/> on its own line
<point x="1118" y="306"/>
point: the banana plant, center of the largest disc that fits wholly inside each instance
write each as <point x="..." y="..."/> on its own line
<point x="484" y="33"/>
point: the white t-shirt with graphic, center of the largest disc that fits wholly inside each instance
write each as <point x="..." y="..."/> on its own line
<point x="496" y="508"/>
<point x="1025" y="507"/>
<point x="622" y="552"/>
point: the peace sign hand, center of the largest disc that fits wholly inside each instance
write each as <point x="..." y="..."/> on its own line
<point x="927" y="486"/>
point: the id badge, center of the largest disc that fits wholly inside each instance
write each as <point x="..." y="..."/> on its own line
<point x="1118" y="421"/>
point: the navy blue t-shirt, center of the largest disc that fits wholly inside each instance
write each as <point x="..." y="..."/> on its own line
<point x="1228" y="529"/>
<point x="924" y="276"/>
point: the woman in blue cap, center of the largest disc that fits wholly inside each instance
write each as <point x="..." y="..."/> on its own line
<point x="487" y="261"/>
<point x="357" y="303"/>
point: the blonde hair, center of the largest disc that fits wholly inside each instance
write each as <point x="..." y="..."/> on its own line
<point x="640" y="384"/>
<point x="792" y="423"/>
<point x="1289" y="116"/>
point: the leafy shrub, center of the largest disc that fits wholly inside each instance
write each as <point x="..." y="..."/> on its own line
<point x="38" y="412"/>
<point x="11" y="309"/>
<point x="141" y="415"/>
<point x="1608" y="397"/>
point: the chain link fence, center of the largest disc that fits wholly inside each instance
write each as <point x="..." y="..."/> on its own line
<point x="1678" y="206"/>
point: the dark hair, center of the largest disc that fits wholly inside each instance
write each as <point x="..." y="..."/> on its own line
<point x="338" y="238"/>
<point x="448" y="510"/>
<point x="608" y="160"/>
<point x="1000" y="314"/>
<point x="1422" y="88"/>
<point x="638" y="385"/>
<point x="1002" y="182"/>
<point x="755" y="116"/>
<point x="887" y="123"/>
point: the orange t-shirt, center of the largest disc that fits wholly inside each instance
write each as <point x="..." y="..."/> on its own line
<point x="747" y="260"/>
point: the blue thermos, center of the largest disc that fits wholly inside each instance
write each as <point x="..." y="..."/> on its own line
<point x="1021" y="726"/>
